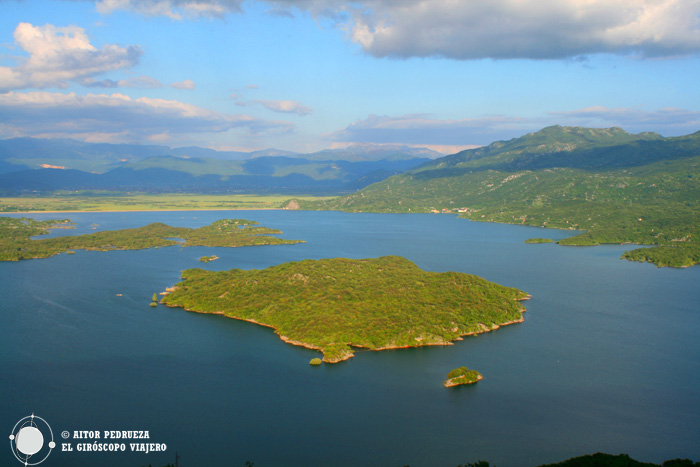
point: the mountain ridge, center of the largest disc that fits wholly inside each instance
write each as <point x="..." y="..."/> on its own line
<point x="33" y="164"/>
<point x="30" y="153"/>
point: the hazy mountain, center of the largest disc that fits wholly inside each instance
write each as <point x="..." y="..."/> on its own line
<point x="194" y="151"/>
<point x="95" y="157"/>
<point x="200" y="174"/>
<point x="368" y="151"/>
<point x="34" y="153"/>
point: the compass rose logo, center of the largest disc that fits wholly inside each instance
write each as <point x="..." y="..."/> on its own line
<point x="27" y="440"/>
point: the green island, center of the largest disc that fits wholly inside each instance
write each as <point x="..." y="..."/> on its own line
<point x="207" y="259"/>
<point x="336" y="305"/>
<point x="16" y="242"/>
<point x="609" y="185"/>
<point x="460" y="376"/>
<point x="539" y="240"/>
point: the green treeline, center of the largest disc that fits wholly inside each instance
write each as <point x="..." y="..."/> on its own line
<point x="539" y="240"/>
<point x="16" y="244"/>
<point x="594" y="460"/>
<point x="335" y="304"/>
<point x="620" y="460"/>
<point x="460" y="376"/>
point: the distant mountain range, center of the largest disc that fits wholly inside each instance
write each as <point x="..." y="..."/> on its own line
<point x="31" y="164"/>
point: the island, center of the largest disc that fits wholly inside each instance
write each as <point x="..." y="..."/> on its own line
<point x="16" y="242"/>
<point x="339" y="305"/>
<point x="460" y="376"/>
<point x="206" y="259"/>
<point x="539" y="240"/>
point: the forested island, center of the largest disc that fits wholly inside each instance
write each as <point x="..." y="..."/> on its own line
<point x="461" y="376"/>
<point x="539" y="240"/>
<point x="336" y="305"/>
<point x="16" y="242"/>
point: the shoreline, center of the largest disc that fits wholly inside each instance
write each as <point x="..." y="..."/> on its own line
<point x="145" y="210"/>
<point x="351" y="354"/>
<point x="451" y="384"/>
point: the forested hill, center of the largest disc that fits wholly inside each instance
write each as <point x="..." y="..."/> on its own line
<point x="616" y="186"/>
<point x="575" y="147"/>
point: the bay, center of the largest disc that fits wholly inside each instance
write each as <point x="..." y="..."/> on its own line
<point x="607" y="359"/>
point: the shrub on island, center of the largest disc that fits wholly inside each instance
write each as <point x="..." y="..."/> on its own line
<point x="339" y="305"/>
<point x="462" y="375"/>
<point x="539" y="240"/>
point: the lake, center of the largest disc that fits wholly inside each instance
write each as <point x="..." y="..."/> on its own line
<point x="607" y="359"/>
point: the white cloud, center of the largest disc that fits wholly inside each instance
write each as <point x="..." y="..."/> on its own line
<point x="420" y="129"/>
<point x="174" y="9"/>
<point x="141" y="82"/>
<point x="668" y="121"/>
<point x="475" y="29"/>
<point x="285" y="106"/>
<point x="61" y="54"/>
<point x="186" y="84"/>
<point x="533" y="29"/>
<point x="118" y="115"/>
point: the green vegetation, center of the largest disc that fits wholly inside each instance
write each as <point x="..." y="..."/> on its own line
<point x="595" y="460"/>
<point x="113" y="201"/>
<point x="614" y="186"/>
<point x="621" y="460"/>
<point x="334" y="304"/>
<point x="539" y="240"/>
<point x="461" y="375"/>
<point x="206" y="259"/>
<point x="315" y="361"/>
<point x="16" y="244"/>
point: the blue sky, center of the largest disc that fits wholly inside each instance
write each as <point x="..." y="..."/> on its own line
<point x="311" y="74"/>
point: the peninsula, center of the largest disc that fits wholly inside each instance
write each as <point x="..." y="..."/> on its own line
<point x="16" y="242"/>
<point x="336" y="305"/>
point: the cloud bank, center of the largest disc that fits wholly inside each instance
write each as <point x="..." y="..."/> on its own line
<point x="421" y="129"/>
<point x="61" y="54"/>
<point x="670" y="121"/>
<point x="118" y="117"/>
<point x="477" y="29"/>
<point x="424" y="130"/>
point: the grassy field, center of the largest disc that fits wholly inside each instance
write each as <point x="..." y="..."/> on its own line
<point x="146" y="202"/>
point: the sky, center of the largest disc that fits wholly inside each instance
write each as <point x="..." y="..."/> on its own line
<point x="305" y="75"/>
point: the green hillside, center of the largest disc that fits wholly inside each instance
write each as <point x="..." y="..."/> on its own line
<point x="616" y="186"/>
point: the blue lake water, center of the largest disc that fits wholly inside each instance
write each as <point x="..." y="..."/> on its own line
<point x="608" y="358"/>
